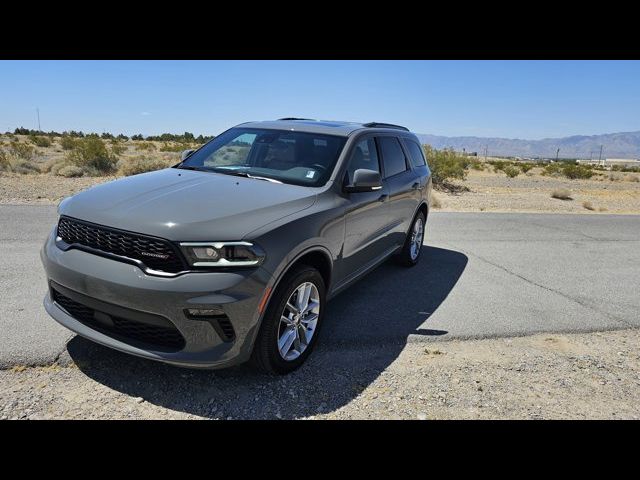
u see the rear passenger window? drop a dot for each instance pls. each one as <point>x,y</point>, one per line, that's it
<point>392,156</point>
<point>416,152</point>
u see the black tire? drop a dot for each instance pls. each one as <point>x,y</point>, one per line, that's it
<point>266,356</point>
<point>404,257</point>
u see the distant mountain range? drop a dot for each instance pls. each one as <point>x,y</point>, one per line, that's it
<point>614,145</point>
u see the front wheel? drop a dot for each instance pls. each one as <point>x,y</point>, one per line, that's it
<point>410,253</point>
<point>290,326</point>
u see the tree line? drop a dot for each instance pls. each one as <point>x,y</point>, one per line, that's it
<point>186,137</point>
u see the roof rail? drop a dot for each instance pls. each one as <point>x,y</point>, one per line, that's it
<point>384,125</point>
<point>294,118</point>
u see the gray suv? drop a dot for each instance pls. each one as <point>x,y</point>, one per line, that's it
<point>232,254</point>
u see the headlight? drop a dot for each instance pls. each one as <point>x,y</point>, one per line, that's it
<point>222,254</point>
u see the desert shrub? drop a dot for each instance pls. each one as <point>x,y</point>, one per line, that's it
<point>497,165</point>
<point>552,169</point>
<point>525,167</point>
<point>625,168</point>
<point>631,178</point>
<point>91,154</point>
<point>574,171</point>
<point>70,171</point>
<point>21,150</point>
<point>511,171</point>
<point>588,206</point>
<point>168,147</point>
<point>446,165</point>
<point>434,201</point>
<point>141,164</point>
<point>11,162</point>
<point>4,160</point>
<point>55,166</point>
<point>39,141</point>
<point>145,146</point>
<point>67,143</point>
<point>117,147</point>
<point>562,194</point>
<point>476,165</point>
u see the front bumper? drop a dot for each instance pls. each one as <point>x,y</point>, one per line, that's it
<point>238,293</point>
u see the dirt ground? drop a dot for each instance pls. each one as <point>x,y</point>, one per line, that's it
<point>495,192</point>
<point>551,376</point>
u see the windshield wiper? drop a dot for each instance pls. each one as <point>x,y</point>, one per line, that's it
<point>272,180</point>
<point>225,171</point>
<point>189,167</point>
<point>237,173</point>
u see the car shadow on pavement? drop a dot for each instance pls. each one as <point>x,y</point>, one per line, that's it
<point>366,328</point>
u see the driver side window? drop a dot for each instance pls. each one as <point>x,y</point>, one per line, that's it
<point>364,155</point>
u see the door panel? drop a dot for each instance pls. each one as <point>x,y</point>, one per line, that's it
<point>366,219</point>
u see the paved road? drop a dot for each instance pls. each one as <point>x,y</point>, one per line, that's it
<point>483,275</point>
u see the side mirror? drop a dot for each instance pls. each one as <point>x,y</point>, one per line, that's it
<point>186,153</point>
<point>364,181</point>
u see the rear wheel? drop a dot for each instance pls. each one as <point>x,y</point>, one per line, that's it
<point>410,253</point>
<point>290,326</point>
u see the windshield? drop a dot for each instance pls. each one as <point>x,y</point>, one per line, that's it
<point>298,158</point>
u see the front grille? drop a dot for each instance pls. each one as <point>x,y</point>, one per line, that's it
<point>155,253</point>
<point>134,333</point>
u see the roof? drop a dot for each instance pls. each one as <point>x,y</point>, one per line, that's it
<point>326,127</point>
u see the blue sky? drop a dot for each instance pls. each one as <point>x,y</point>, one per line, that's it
<point>515,99</point>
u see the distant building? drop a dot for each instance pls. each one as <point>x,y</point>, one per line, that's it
<point>609,162</point>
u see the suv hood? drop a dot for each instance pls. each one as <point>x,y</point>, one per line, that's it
<point>186,205</point>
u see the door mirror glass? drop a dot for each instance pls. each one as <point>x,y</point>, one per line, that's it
<point>365,181</point>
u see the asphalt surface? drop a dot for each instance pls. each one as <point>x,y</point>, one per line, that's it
<point>482,275</point>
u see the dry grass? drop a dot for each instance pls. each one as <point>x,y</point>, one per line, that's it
<point>562,194</point>
<point>588,206</point>
<point>141,164</point>
<point>435,201</point>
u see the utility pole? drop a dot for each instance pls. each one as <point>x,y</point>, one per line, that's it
<point>486,147</point>
<point>600,158</point>
<point>557,152</point>
<point>38,112</point>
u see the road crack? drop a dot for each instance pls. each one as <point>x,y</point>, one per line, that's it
<point>549,289</point>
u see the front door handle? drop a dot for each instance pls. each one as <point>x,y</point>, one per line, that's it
<point>383,198</point>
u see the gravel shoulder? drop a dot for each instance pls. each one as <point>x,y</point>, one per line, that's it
<point>42,189</point>
<point>593,375</point>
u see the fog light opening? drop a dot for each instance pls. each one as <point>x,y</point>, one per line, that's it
<point>204,313</point>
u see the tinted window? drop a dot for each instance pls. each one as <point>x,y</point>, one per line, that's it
<point>416,152</point>
<point>364,155</point>
<point>290,157</point>
<point>392,156</point>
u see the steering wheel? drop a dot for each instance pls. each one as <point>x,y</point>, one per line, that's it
<point>319,166</point>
